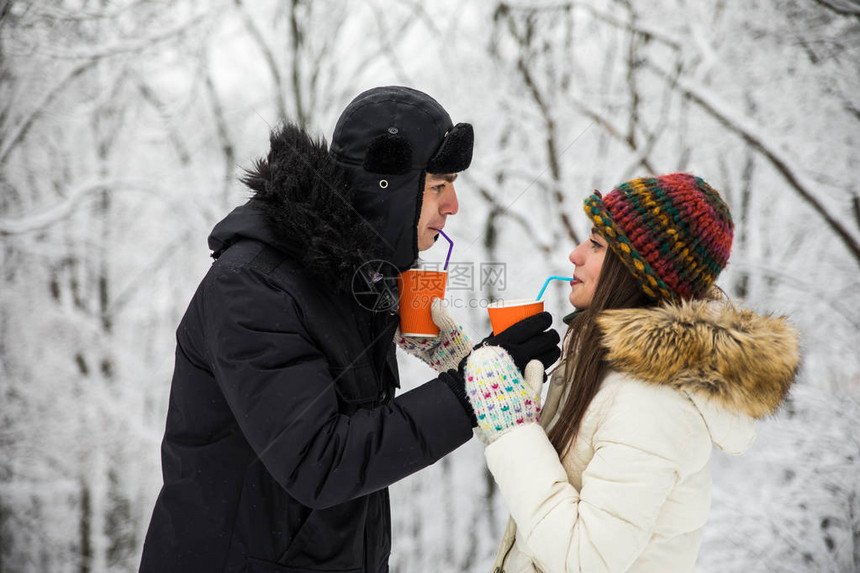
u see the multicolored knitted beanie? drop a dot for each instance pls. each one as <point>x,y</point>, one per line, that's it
<point>673,232</point>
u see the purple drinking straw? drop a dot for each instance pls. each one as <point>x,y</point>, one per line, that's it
<point>450,248</point>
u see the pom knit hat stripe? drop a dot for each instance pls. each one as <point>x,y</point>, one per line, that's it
<point>645,238</point>
<point>673,215</point>
<point>674,233</point>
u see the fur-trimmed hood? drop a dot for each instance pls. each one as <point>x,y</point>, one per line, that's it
<point>723,356</point>
<point>302,206</point>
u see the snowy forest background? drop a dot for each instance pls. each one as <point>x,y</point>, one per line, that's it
<point>123,128</point>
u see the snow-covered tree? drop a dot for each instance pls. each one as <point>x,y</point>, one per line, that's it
<point>124,125</point>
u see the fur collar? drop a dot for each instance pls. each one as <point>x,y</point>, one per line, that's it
<point>308,207</point>
<point>741,361</point>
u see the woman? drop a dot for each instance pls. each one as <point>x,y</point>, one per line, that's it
<point>657,368</point>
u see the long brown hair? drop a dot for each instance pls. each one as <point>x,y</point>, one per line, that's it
<point>585,364</point>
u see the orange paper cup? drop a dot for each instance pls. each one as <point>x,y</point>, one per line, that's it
<point>417,288</point>
<point>505,313</point>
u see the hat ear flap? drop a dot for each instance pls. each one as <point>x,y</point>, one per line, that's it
<point>388,154</point>
<point>455,153</point>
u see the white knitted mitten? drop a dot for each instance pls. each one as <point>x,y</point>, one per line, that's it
<point>502,398</point>
<point>444,351</point>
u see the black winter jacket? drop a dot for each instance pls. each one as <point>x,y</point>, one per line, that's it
<point>282,431</point>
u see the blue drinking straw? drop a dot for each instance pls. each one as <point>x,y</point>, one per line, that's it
<point>540,294</point>
<point>450,248</point>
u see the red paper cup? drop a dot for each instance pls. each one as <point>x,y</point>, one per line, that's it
<point>505,313</point>
<point>417,288</point>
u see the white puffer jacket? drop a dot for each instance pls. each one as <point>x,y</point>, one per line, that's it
<point>634,490</point>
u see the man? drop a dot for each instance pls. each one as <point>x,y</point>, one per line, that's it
<point>282,430</point>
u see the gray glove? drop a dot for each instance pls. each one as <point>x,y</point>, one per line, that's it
<point>444,351</point>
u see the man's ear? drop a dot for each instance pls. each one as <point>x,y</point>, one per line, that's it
<point>388,154</point>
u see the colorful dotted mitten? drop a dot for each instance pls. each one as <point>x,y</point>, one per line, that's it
<point>502,398</point>
<point>444,351</point>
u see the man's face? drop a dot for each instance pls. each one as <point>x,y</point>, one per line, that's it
<point>440,200</point>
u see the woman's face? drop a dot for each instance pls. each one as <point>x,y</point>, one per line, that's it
<point>587,257</point>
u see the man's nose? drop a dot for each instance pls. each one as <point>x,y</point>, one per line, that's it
<point>451,205</point>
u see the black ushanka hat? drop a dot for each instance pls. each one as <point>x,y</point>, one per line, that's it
<point>386,139</point>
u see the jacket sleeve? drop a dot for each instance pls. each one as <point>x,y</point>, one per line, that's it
<point>641,448</point>
<point>281,391</point>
